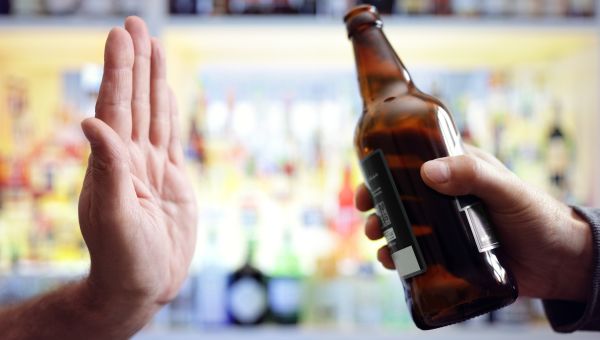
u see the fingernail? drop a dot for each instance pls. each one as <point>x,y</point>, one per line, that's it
<point>437,171</point>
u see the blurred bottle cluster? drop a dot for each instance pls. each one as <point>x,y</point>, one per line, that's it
<point>271,160</point>
<point>335,8</point>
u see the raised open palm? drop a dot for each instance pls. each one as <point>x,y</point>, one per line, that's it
<point>137,210</point>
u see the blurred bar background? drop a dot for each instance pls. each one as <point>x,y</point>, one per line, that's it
<point>268,102</point>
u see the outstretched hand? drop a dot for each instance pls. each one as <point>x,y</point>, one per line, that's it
<point>548,246</point>
<point>136,210</point>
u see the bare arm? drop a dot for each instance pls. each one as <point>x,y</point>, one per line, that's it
<point>137,211</point>
<point>74,311</point>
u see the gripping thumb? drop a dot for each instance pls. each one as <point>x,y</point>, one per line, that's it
<point>470,175</point>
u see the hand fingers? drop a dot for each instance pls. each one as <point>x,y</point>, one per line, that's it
<point>373,227</point>
<point>384,256</point>
<point>140,103</point>
<point>175,148</point>
<point>160,120</point>
<point>363,199</point>
<point>466,174</point>
<point>109,165</point>
<point>114,99</point>
<point>486,157</point>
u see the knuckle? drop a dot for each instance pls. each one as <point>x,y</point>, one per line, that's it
<point>471,167</point>
<point>109,164</point>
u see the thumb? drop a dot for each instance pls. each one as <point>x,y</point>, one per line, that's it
<point>108,166</point>
<point>460,175</point>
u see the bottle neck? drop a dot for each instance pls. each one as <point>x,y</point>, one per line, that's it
<point>250,250</point>
<point>381,74</point>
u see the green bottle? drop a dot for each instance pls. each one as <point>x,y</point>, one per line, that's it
<point>285,285</point>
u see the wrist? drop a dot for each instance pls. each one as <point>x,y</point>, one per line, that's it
<point>574,275</point>
<point>123,315</point>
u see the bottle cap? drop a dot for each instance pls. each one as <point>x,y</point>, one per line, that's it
<point>361,17</point>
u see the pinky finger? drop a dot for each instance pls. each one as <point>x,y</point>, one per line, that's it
<point>175,148</point>
<point>384,256</point>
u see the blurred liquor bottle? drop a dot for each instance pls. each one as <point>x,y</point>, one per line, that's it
<point>442,7</point>
<point>333,8</point>
<point>199,7</point>
<point>582,8</point>
<point>127,7</point>
<point>345,222</point>
<point>220,7</point>
<point>285,284</point>
<point>68,7</point>
<point>329,297</point>
<point>17,104</point>
<point>271,7</point>
<point>498,100</point>
<point>91,7</point>
<point>368,297</point>
<point>558,157</point>
<point>181,309</point>
<point>383,6</point>
<point>5,7</point>
<point>556,8</point>
<point>196,148</point>
<point>528,8</point>
<point>466,8</point>
<point>496,8</point>
<point>211,285</point>
<point>4,175</point>
<point>182,6</point>
<point>247,292</point>
<point>205,7</point>
<point>26,7</point>
<point>414,7</point>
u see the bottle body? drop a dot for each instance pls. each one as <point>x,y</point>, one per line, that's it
<point>459,281</point>
<point>443,247</point>
<point>247,292</point>
<point>247,296</point>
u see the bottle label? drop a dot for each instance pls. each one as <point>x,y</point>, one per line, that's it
<point>285,295</point>
<point>483,232</point>
<point>247,300</point>
<point>395,225</point>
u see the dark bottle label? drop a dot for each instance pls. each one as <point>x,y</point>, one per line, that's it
<point>395,225</point>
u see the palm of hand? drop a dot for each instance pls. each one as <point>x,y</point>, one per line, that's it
<point>534,234</point>
<point>137,210</point>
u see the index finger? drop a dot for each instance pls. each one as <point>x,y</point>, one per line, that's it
<point>363,198</point>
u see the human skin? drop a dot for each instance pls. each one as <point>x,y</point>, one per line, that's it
<point>547,244</point>
<point>137,211</point>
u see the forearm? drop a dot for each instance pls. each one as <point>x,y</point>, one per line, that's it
<point>574,276</point>
<point>74,311</point>
<point>569,316</point>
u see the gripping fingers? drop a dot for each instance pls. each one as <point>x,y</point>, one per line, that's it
<point>373,227</point>
<point>384,256</point>
<point>363,199</point>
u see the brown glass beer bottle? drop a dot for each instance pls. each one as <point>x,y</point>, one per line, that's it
<point>443,247</point>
